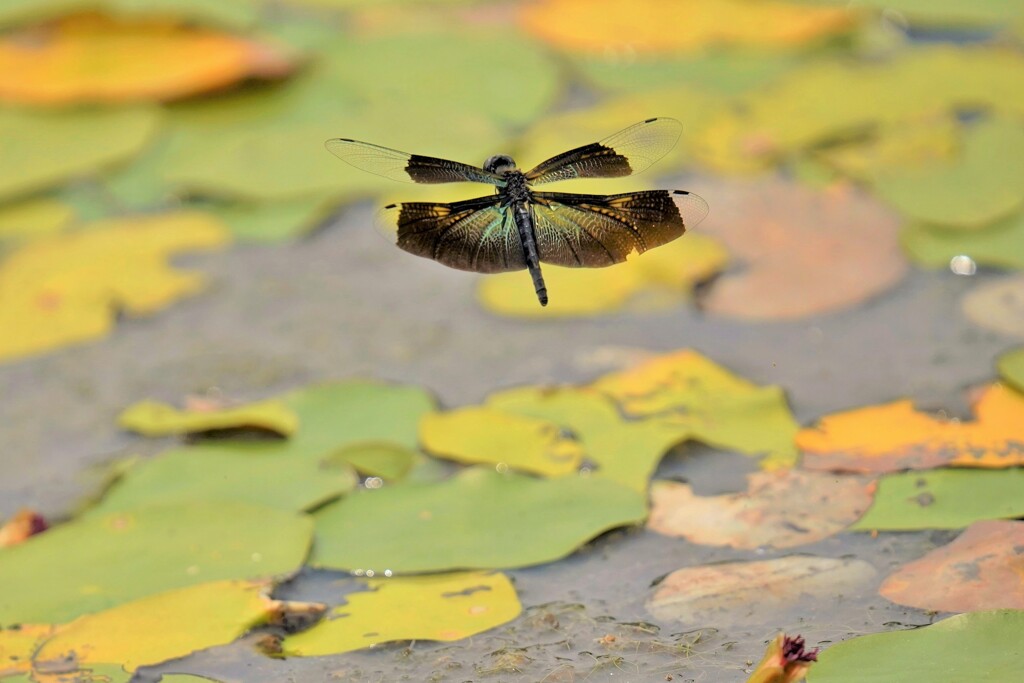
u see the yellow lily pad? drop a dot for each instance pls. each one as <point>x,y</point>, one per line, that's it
<point>717,407</point>
<point>165,626</point>
<point>624,451</point>
<point>666,276</point>
<point>153,418</point>
<point>442,607</point>
<point>17,646</point>
<point>81,58</point>
<point>482,435</point>
<point>65,290</point>
<point>659,27</point>
<point>88,140</point>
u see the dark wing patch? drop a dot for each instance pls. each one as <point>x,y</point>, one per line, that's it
<point>580,230</point>
<point>409,168</point>
<point>629,151</point>
<point>476,234</point>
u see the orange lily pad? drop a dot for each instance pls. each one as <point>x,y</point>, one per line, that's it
<point>754,592</point>
<point>979,570</point>
<point>780,509</point>
<point>96,58</point>
<point>895,436</point>
<point>660,27</point>
<point>68,289</point>
<point>808,252</point>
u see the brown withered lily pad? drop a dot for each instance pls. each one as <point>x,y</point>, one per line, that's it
<point>981,569</point>
<point>780,509</point>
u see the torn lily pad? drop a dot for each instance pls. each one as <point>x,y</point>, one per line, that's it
<point>100,561</point>
<point>718,408</point>
<point>153,418</point>
<point>442,607</point>
<point>478,519</point>
<point>483,435</point>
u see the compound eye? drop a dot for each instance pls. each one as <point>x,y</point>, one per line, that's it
<point>499,163</point>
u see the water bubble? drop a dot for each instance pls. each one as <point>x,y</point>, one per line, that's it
<point>963,265</point>
<point>374,482</point>
<point>501,467</point>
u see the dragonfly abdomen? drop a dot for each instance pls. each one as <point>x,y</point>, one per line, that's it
<point>524,222</point>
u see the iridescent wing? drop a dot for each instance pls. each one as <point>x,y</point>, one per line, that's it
<point>629,151</point>
<point>476,234</point>
<point>408,168</point>
<point>592,231</point>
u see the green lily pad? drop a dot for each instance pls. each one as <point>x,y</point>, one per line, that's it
<point>234,14</point>
<point>1011,368</point>
<point>625,451</point>
<point>981,647</point>
<point>153,418</point>
<point>99,561</point>
<point>944,499</point>
<point>478,519</point>
<point>34,218</point>
<point>88,140</point>
<point>1000,245</point>
<point>982,185</point>
<point>385,459</point>
<point>210,473</point>
<point>269,222</point>
<point>942,13</point>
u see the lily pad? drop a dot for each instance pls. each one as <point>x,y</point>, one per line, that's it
<point>385,459</point>
<point>101,561</point>
<point>717,407</point>
<point>753,592</point>
<point>269,222</point>
<point>236,14</point>
<point>894,437</point>
<point>979,570</point>
<point>483,435</point>
<point>80,59</point>
<point>88,140</point>
<point>165,626</point>
<point>934,653</point>
<point>624,451</point>
<point>442,607</point>
<point>34,218</point>
<point>1011,368</point>
<point>654,27</point>
<point>153,418</point>
<point>478,519</point>
<point>1000,245</point>
<point>997,306</point>
<point>780,509</point>
<point>17,646</point>
<point>943,499</point>
<point>211,473</point>
<point>67,289</point>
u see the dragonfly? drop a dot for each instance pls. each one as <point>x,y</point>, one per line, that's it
<point>518,227</point>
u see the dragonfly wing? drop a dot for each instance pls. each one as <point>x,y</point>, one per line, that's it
<point>409,168</point>
<point>594,231</point>
<point>629,151</point>
<point>476,234</point>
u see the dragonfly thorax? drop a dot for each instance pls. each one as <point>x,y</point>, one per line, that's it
<point>517,188</point>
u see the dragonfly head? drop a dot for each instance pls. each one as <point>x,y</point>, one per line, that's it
<point>500,164</point>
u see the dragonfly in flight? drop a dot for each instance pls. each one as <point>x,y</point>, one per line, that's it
<point>518,227</point>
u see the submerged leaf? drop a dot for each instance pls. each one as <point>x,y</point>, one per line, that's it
<point>979,570</point>
<point>101,561</point>
<point>441,607</point>
<point>96,58</point>
<point>780,510</point>
<point>67,289</point>
<point>809,251</point>
<point>482,435</point>
<point>943,499</point>
<point>477,519</point>
<point>894,437</point>
<point>164,626</point>
<point>717,407</point>
<point>754,592</point>
<point>935,653</point>
<point>997,306</point>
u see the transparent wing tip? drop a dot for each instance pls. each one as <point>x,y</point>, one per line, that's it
<point>385,222</point>
<point>692,207</point>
